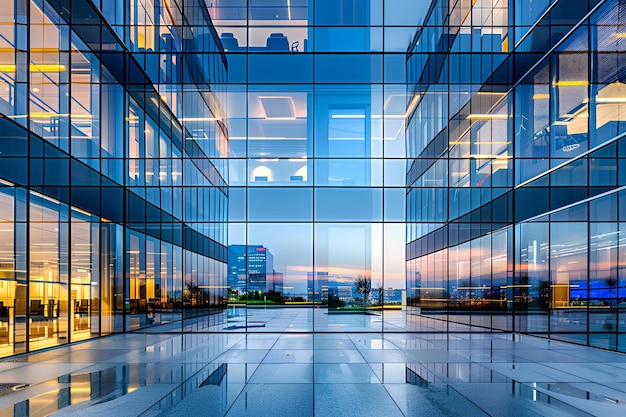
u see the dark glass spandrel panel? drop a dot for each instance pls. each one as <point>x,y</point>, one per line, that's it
<point>14,139</point>
<point>348,204</point>
<point>280,204</point>
<point>530,201</point>
<point>346,39</point>
<point>280,68</point>
<point>344,13</point>
<point>14,170</point>
<point>113,207</point>
<point>352,68</point>
<point>87,198</point>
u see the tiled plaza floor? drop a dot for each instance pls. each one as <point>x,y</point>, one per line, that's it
<point>349,367</point>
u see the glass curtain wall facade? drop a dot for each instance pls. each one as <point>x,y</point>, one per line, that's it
<point>515,195</point>
<point>316,109</point>
<point>113,192</point>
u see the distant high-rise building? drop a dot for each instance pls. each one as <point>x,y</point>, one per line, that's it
<point>248,267</point>
<point>344,293</point>
<point>317,286</point>
<point>342,286</point>
<point>392,295</point>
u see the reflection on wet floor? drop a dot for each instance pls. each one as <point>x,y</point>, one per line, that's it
<point>306,374</point>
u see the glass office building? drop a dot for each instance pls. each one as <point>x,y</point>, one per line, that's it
<point>141,139</point>
<point>113,186</point>
<point>358,207</point>
<point>316,106</point>
<point>473,158</point>
<point>516,190</point>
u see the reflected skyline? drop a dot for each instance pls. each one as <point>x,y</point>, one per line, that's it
<point>292,248</point>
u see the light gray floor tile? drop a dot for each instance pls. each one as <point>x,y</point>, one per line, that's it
<point>351,370</point>
<point>299,373</point>
<point>356,373</point>
<point>289,356</point>
<point>354,400</point>
<point>337,356</point>
<point>274,400</point>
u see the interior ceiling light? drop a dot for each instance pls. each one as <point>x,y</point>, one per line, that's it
<point>347,116</point>
<point>570,147</point>
<point>34,68</point>
<point>579,83</point>
<point>278,107</point>
<point>395,104</point>
<point>412,105</point>
<point>610,99</point>
<point>43,115</point>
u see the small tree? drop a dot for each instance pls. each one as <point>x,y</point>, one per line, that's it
<point>335,302</point>
<point>363,286</point>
